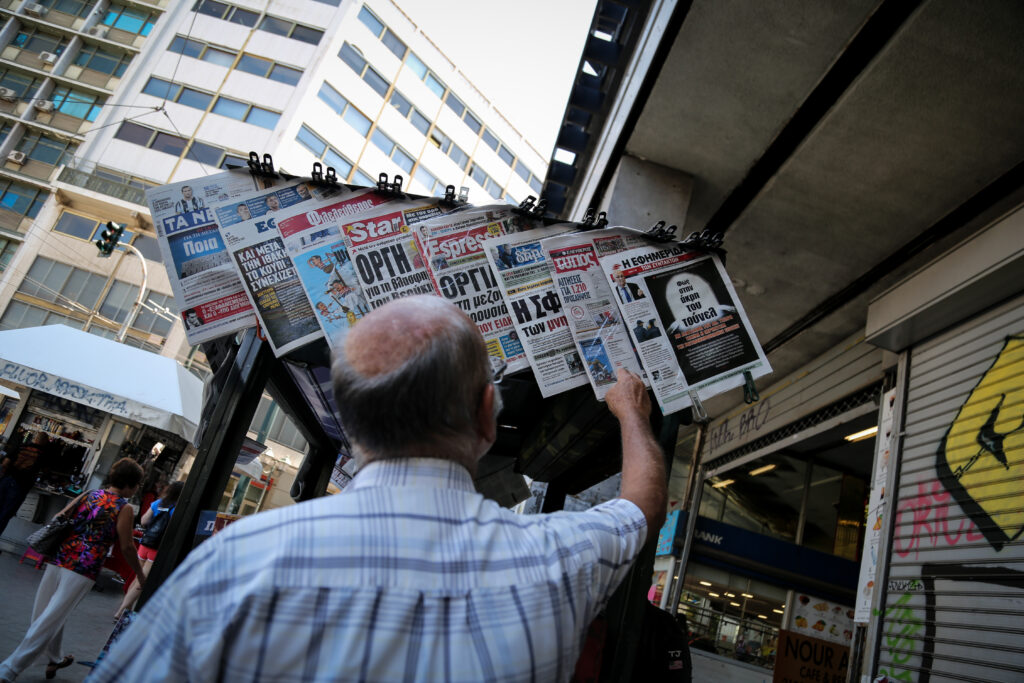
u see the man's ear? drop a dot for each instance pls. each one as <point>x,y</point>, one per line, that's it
<point>486,424</point>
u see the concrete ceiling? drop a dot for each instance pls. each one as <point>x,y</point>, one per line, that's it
<point>929,117</point>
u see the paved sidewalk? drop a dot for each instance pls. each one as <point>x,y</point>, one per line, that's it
<point>84,634</point>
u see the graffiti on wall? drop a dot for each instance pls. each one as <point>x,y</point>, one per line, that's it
<point>960,521</point>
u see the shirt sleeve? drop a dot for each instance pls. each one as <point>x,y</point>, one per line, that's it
<point>604,540</point>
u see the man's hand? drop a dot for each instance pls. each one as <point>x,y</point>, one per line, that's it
<point>628,398</point>
<point>643,465</point>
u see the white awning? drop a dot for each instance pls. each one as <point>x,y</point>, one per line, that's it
<point>119,379</point>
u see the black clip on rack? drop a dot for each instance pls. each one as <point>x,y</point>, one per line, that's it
<point>263,168</point>
<point>592,222</point>
<point>531,207</point>
<point>706,240</point>
<point>660,233</point>
<point>394,187</point>
<point>318,177</point>
<point>451,200</point>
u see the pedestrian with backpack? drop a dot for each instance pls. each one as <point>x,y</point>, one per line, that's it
<point>156,519</point>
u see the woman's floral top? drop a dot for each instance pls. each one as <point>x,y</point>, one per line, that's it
<point>86,549</point>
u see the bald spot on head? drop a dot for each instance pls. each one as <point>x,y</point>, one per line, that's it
<point>395,332</point>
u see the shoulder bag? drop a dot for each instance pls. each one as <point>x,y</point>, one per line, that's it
<point>47,540</point>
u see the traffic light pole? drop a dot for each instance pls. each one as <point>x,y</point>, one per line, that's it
<point>123,332</point>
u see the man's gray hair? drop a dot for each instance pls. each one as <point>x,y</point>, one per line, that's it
<point>429,400</point>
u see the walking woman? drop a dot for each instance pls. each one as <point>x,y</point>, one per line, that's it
<point>156,519</point>
<point>102,516</point>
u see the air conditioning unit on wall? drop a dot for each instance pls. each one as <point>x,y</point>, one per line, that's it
<point>16,157</point>
<point>34,9</point>
<point>48,57</point>
<point>43,105</point>
<point>8,95</point>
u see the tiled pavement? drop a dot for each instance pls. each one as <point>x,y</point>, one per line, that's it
<point>84,634</point>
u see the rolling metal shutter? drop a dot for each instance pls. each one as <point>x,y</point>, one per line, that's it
<point>954,604</point>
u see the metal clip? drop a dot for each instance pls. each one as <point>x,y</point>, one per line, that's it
<point>263,168</point>
<point>592,222</point>
<point>588,217</point>
<point>317,173</point>
<point>662,234</point>
<point>449,194</point>
<point>704,240</point>
<point>699,414</point>
<point>268,165</point>
<point>463,194</point>
<point>527,205</point>
<point>750,394</point>
<point>382,183</point>
<point>332,177</point>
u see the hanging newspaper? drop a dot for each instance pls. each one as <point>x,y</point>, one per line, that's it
<point>383,248</point>
<point>210,297</point>
<point>525,280</point>
<point>249,227</point>
<point>587,300</point>
<point>454,247</point>
<point>321,257</point>
<point>687,324</point>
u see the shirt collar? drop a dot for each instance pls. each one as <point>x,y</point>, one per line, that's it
<point>417,472</point>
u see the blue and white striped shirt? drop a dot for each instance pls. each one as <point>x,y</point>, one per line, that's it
<point>409,574</point>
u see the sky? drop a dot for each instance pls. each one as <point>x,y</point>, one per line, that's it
<point>521,55</point>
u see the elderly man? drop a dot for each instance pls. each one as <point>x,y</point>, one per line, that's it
<point>409,574</point>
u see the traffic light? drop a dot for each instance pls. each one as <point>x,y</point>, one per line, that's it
<point>109,238</point>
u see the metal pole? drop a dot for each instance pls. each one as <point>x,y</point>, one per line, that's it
<point>691,504</point>
<point>123,332</point>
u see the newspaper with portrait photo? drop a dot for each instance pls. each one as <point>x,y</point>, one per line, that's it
<point>687,324</point>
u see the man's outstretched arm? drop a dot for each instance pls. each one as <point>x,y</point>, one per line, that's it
<point>643,465</point>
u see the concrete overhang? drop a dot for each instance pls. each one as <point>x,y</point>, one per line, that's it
<point>969,278</point>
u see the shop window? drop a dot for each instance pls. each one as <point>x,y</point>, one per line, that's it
<point>130,20</point>
<point>822,515</point>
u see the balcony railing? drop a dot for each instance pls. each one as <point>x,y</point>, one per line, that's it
<point>96,183</point>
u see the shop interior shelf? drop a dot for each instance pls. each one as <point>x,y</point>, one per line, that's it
<point>36,428</point>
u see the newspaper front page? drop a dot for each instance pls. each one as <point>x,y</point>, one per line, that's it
<point>322,259</point>
<point>454,247</point>
<point>210,296</point>
<point>525,279</point>
<point>688,326</point>
<point>387,259</point>
<point>249,227</point>
<point>587,300</point>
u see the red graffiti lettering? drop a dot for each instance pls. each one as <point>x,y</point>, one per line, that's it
<point>929,511</point>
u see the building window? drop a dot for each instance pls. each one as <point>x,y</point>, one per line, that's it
<point>78,8</point>
<point>536,184</point>
<point>445,144</point>
<point>222,10</point>
<point>396,153</point>
<point>150,250</point>
<point>425,178</point>
<point>7,249</point>
<point>96,58</point>
<point>174,92</point>
<point>205,154</point>
<point>77,226</point>
<point>154,139</point>
<point>379,30</point>
<point>363,179</point>
<point>23,200</point>
<point>414,115</point>
<point>130,20</point>
<point>242,111</point>
<point>485,181</point>
<point>41,147</point>
<point>290,29</point>
<point>490,141</point>
<point>30,39</point>
<point>76,103</point>
<point>200,50</point>
<point>455,104</point>
<point>266,68</point>
<point>23,85</point>
<point>352,116</point>
<point>316,144</point>
<point>234,161</point>
<point>424,74</point>
<point>506,155</point>
<point>53,281</point>
<point>355,60</point>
